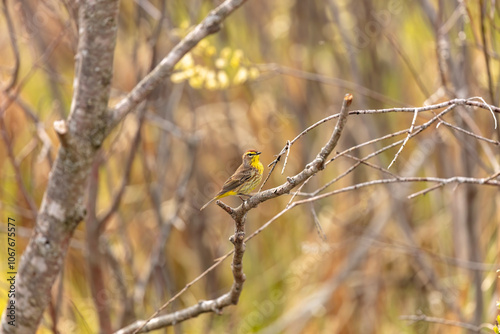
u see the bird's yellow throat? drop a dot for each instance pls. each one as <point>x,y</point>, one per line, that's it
<point>257,164</point>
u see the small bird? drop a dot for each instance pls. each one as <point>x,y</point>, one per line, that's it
<point>244,180</point>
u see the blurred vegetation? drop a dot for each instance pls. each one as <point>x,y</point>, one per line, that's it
<point>275,68</point>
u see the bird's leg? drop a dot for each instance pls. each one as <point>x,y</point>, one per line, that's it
<point>239,195</point>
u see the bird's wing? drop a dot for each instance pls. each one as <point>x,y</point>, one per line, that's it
<point>242,175</point>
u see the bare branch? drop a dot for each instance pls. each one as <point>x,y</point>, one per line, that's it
<point>469,133</point>
<point>15,49</point>
<point>470,327</point>
<point>406,139</point>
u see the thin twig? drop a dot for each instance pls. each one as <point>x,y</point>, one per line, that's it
<point>390,37</point>
<point>494,176</point>
<point>383,170</point>
<point>425,191</point>
<point>406,139</point>
<point>369,156</point>
<point>286,157</point>
<point>317,223</point>
<point>467,326</point>
<point>15,48</point>
<point>298,191</point>
<point>488,106</point>
<point>469,133</point>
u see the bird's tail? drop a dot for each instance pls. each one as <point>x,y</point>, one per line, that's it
<point>203,207</point>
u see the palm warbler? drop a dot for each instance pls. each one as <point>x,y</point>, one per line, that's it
<point>244,180</point>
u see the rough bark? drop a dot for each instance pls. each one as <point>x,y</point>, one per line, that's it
<point>81,135</point>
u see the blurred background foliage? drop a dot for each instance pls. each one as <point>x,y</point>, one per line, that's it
<point>275,68</point>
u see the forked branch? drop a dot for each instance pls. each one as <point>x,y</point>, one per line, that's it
<point>238,240</point>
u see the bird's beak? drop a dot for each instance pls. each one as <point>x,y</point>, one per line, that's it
<point>258,153</point>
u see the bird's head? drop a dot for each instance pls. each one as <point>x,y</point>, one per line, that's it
<point>251,157</point>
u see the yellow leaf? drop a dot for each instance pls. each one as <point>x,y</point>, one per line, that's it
<point>223,79</point>
<point>212,84</point>
<point>254,73</point>
<point>236,58</point>
<point>220,63</point>
<point>178,77</point>
<point>241,76</point>
<point>196,82</point>
<point>225,53</point>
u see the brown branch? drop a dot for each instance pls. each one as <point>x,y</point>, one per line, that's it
<point>411,134</point>
<point>362,161</point>
<point>461,102</point>
<point>425,191</point>
<point>289,143</point>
